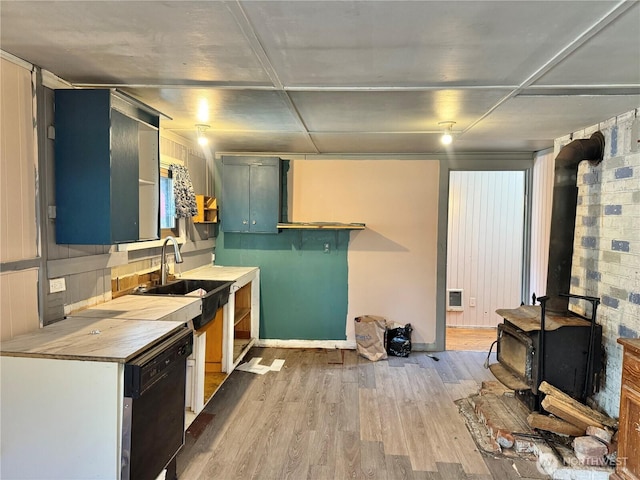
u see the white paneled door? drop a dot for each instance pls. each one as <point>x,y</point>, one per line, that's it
<point>484,244</point>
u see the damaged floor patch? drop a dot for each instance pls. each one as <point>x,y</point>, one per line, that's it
<point>498,424</point>
<point>253,366</point>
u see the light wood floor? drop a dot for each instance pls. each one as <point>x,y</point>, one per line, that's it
<point>470,339</point>
<point>393,419</point>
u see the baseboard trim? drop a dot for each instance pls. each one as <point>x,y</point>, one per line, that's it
<point>424,347</point>
<point>341,344</point>
<point>277,343</point>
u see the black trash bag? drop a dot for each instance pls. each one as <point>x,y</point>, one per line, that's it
<point>399,341</point>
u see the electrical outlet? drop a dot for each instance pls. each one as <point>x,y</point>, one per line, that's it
<point>472,301</point>
<point>57,285</point>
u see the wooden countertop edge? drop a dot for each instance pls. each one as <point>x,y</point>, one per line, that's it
<point>632,344</point>
<point>181,305</point>
<point>80,358</point>
<point>99,356</point>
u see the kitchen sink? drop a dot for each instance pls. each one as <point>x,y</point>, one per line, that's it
<point>215,295</point>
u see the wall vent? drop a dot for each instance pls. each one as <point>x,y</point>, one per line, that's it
<point>454,300</point>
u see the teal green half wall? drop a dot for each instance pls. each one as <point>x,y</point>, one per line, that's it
<point>304,289</point>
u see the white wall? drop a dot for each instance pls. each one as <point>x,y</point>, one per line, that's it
<point>18,303</point>
<point>18,166</point>
<point>485,243</point>
<point>392,264</point>
<point>18,227</point>
<point>542,198</point>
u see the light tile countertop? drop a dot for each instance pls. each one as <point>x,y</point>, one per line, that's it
<point>105,332</point>
<point>95,339</point>
<point>214,272</point>
<point>143,307</point>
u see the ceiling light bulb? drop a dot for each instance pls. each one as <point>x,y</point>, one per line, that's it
<point>202,139</point>
<point>446,137</point>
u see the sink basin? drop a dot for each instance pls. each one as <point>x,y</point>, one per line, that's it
<point>216,296</point>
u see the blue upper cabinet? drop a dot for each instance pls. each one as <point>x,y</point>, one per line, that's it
<point>107,168</point>
<point>251,189</point>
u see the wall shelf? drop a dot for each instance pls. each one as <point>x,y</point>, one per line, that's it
<point>321,226</point>
<point>312,231</point>
<point>207,209</point>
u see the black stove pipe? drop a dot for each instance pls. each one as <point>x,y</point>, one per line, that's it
<point>563,216</point>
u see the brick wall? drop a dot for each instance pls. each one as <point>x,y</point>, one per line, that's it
<point>606,258</point>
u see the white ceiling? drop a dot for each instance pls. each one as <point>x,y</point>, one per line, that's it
<point>348,77</point>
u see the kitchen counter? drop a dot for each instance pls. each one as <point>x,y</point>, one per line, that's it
<point>220,347</point>
<point>140,307</point>
<point>63,404</point>
<point>214,272</point>
<point>101,339</point>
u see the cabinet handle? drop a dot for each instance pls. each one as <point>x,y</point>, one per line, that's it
<point>244,222</point>
<point>253,222</point>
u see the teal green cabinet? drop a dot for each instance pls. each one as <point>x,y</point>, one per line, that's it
<point>251,190</point>
<point>107,168</point>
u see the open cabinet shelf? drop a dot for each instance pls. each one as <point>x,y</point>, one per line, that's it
<point>241,314</point>
<point>207,209</point>
<point>242,321</point>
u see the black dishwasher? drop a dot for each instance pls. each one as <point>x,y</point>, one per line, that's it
<point>153,411</point>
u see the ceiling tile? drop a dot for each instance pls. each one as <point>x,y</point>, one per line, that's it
<point>611,57</point>
<point>353,143</point>
<point>229,110</point>
<point>416,42</point>
<point>545,118</point>
<point>261,142</point>
<point>131,42</point>
<point>389,111</point>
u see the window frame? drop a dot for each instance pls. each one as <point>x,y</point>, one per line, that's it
<point>166,232</point>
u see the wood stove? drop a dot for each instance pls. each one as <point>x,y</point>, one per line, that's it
<point>535,345</point>
<point>548,341</point>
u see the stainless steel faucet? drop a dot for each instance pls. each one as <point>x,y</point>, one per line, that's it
<point>163,258</point>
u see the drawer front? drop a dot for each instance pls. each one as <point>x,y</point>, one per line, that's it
<point>628,464</point>
<point>631,370</point>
